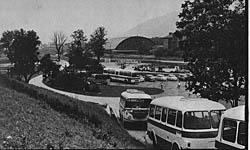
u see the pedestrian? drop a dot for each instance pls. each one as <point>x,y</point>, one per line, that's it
<point>161,85</point>
<point>179,84</point>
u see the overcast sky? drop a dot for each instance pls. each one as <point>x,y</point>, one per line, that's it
<point>47,16</point>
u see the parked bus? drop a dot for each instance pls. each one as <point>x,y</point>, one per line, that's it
<point>134,106</point>
<point>176,122</point>
<point>232,131</point>
<point>128,76</point>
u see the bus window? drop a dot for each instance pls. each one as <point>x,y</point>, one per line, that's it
<point>197,120</point>
<point>122,73</point>
<point>242,134</point>
<point>171,116</point>
<point>215,118</point>
<point>229,130</point>
<point>151,111</point>
<point>164,115</point>
<point>179,119</point>
<point>158,113</point>
<point>138,103</point>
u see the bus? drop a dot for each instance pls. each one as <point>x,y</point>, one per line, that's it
<point>232,130</point>
<point>127,76</point>
<point>134,106</point>
<point>176,122</point>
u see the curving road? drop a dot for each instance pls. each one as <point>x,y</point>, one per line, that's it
<point>112,102</point>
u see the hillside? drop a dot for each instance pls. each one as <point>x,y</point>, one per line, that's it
<point>43,122</point>
<point>155,27</point>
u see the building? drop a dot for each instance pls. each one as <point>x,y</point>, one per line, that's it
<point>129,45</point>
<point>171,41</point>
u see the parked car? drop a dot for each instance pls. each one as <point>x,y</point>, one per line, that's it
<point>161,77</point>
<point>182,77</point>
<point>172,77</point>
<point>150,77</point>
<point>99,79</point>
<point>142,79</point>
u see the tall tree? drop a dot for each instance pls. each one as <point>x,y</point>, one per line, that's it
<point>97,42</point>
<point>215,47</point>
<point>22,49</point>
<point>77,49</point>
<point>59,39</point>
<point>49,68</point>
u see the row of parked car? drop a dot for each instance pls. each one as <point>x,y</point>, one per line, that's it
<point>169,77</point>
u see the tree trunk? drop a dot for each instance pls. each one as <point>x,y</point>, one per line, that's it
<point>98,59</point>
<point>58,55</point>
<point>236,91</point>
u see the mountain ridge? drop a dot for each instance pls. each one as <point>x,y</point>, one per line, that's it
<point>156,27</point>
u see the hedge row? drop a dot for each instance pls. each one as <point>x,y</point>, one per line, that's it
<point>106,128</point>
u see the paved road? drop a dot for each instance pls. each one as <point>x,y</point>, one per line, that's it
<point>111,101</point>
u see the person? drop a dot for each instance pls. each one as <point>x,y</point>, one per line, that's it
<point>161,85</point>
<point>179,84</point>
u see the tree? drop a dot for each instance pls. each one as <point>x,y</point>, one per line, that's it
<point>215,46</point>
<point>48,67</point>
<point>78,49</point>
<point>59,39</point>
<point>22,49</point>
<point>97,42</point>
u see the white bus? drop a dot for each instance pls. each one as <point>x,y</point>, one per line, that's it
<point>134,106</point>
<point>176,122</point>
<point>232,131</point>
<point>127,76</point>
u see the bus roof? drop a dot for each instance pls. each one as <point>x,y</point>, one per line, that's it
<point>118,69</point>
<point>135,94</point>
<point>237,113</point>
<point>187,104</point>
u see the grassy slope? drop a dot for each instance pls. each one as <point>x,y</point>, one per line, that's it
<point>34,124</point>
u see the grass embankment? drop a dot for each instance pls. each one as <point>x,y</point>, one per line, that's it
<point>37,118</point>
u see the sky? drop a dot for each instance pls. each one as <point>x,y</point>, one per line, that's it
<point>48,16</point>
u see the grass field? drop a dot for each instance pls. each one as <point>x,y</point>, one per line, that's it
<point>33,117</point>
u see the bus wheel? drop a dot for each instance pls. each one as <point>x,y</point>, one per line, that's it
<point>175,147</point>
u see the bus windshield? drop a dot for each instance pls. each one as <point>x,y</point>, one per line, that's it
<point>137,103</point>
<point>202,119</point>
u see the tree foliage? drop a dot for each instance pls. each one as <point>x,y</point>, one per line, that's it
<point>97,42</point>
<point>77,49</point>
<point>59,39</point>
<point>22,49</point>
<point>48,67</point>
<point>215,47</point>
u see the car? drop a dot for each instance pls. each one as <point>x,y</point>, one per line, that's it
<point>150,77</point>
<point>161,77</point>
<point>142,79</point>
<point>182,77</point>
<point>172,77</point>
<point>99,79</point>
